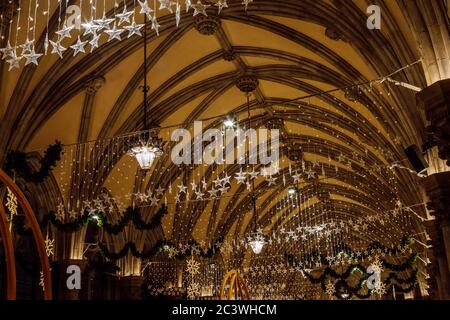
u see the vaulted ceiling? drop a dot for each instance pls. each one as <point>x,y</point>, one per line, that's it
<point>294,48</point>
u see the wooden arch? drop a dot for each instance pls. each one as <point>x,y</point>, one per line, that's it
<point>237,288</point>
<point>8,244</point>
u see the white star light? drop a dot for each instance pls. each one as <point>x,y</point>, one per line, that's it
<point>155,25</point>
<point>188,5</point>
<point>240,177</point>
<point>134,29</point>
<point>178,14</point>
<point>32,57</point>
<point>79,47</point>
<point>200,8</point>
<point>7,51</point>
<point>94,41</point>
<point>103,23</point>
<point>27,46</point>
<point>64,33</point>
<point>114,33</point>
<point>221,4</point>
<point>124,16</point>
<point>14,61</point>
<point>166,4</point>
<point>145,9</point>
<point>57,48</point>
<point>90,28</point>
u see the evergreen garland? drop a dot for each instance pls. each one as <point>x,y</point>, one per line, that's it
<point>100,219</point>
<point>16,164</point>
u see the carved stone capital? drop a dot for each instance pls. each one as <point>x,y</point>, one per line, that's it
<point>207,25</point>
<point>247,83</point>
<point>94,85</point>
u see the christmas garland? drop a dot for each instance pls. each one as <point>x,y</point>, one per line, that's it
<point>393,281</point>
<point>16,164</point>
<point>341,286</point>
<point>373,248</point>
<point>160,246</point>
<point>329,272</point>
<point>131,246</point>
<point>99,218</point>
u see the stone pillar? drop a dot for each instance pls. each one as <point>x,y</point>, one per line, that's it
<point>60,279</point>
<point>131,287</point>
<point>437,187</point>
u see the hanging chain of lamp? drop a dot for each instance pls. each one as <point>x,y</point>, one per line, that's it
<point>148,146</point>
<point>255,239</point>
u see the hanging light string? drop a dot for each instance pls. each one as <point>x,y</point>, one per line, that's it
<point>145,87</point>
<point>125,135</point>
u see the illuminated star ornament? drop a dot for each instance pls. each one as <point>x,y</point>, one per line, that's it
<point>79,47</point>
<point>134,29</point>
<point>124,16</point>
<point>200,8</point>
<point>57,48</point>
<point>14,61</point>
<point>114,33</point>
<point>166,4</point>
<point>7,51</point>
<point>221,4</point>
<point>155,25</point>
<point>145,9</point>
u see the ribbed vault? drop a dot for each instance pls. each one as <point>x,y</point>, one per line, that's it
<point>286,45</point>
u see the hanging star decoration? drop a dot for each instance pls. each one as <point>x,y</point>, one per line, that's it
<point>114,33</point>
<point>11,203</point>
<point>240,177</point>
<point>166,4</point>
<point>64,32</point>
<point>155,25</point>
<point>94,42</point>
<point>57,48</point>
<point>7,51</point>
<point>104,22</point>
<point>79,47</point>
<point>200,8</point>
<point>32,57</point>
<point>90,28</point>
<point>145,9</point>
<point>178,14</point>
<point>124,16</point>
<point>14,62</point>
<point>221,4</point>
<point>134,29</point>
<point>49,246</point>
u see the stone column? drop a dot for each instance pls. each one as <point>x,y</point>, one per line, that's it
<point>437,187</point>
<point>131,287</point>
<point>60,279</point>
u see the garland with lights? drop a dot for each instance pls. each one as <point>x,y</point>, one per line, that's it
<point>392,282</point>
<point>373,248</point>
<point>131,215</point>
<point>16,164</point>
<point>159,247</point>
